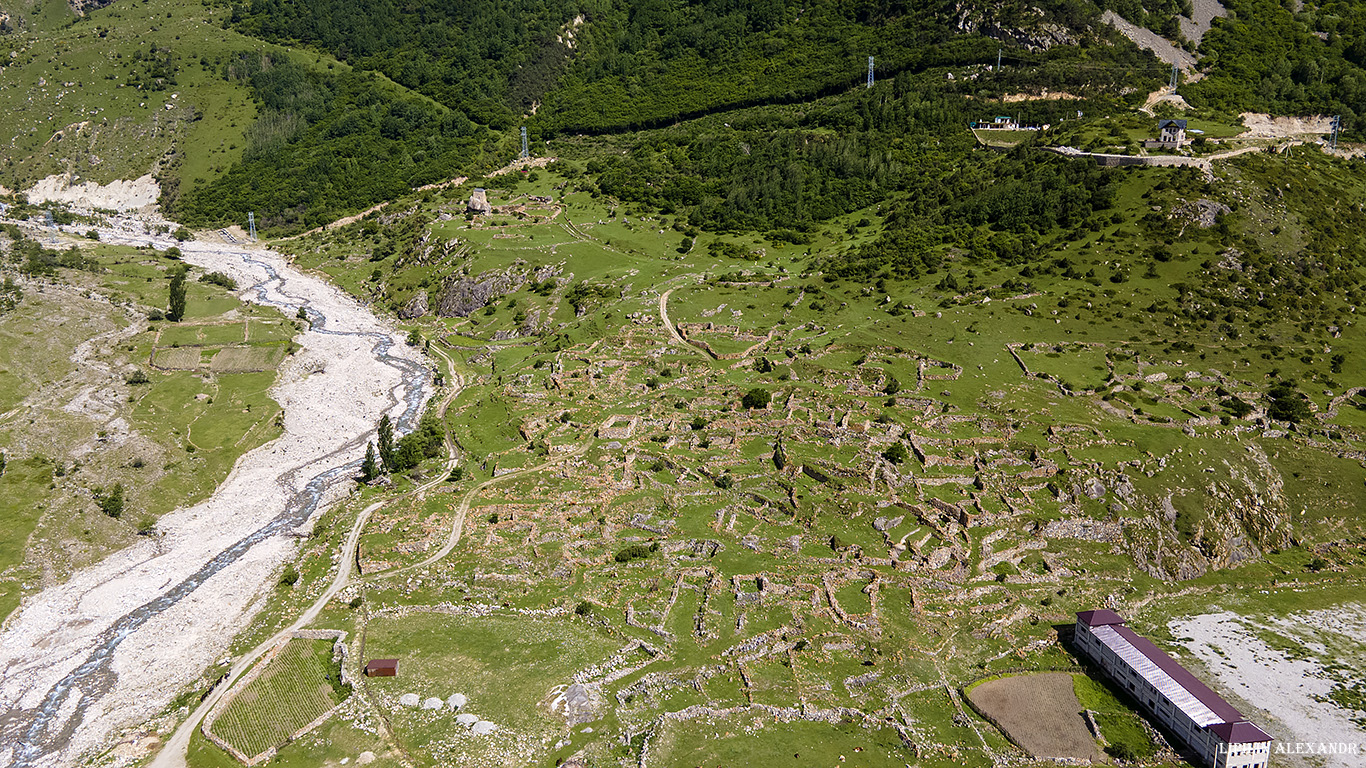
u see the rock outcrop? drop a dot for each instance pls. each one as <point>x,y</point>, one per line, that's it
<point>465,295</point>
<point>416,306</point>
<point>479,202</point>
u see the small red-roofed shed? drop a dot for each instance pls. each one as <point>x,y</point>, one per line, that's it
<point>381,668</point>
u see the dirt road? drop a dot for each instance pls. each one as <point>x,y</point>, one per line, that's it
<point>112,645</point>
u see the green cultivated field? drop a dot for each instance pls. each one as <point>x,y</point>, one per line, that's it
<point>297,686</point>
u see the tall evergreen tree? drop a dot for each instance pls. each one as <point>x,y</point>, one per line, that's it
<point>386,443</point>
<point>176,308</point>
<point>369,468</point>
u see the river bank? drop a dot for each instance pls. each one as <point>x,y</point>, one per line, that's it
<point>116,642</point>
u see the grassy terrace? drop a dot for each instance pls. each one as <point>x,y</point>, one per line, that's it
<point>797,566</point>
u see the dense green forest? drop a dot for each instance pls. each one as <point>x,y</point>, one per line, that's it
<point>671,85</point>
<point>992,206</point>
<point>491,59</point>
<point>793,168</point>
<point>326,143</point>
<point>1265,58</point>
<point>615,65</point>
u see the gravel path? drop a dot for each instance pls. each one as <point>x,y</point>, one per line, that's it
<point>111,646</point>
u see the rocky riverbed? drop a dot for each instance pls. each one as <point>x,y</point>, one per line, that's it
<point>113,645</point>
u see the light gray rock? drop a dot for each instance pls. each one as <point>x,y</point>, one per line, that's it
<point>456,701</point>
<point>466,719</point>
<point>461,297</point>
<point>483,728</point>
<point>479,202</point>
<point>409,700</point>
<point>365,758</point>
<point>582,703</point>
<point>1095,488</point>
<point>432,703</point>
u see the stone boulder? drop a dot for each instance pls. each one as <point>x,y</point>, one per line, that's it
<point>456,701</point>
<point>479,202</point>
<point>409,700</point>
<point>582,703</point>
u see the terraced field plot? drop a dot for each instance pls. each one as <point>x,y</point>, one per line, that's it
<point>294,689</point>
<point>240,359</point>
<point>178,358</point>
<point>1040,712</point>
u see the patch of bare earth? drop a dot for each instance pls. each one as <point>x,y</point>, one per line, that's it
<point>1040,713</point>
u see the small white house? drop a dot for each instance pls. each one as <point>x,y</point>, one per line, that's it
<point>1171,131</point>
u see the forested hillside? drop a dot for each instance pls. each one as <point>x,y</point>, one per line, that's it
<point>1265,58</point>
<point>328,142</point>
<point>326,107</point>
<point>620,65</point>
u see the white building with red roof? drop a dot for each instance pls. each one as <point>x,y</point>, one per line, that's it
<point>1211,727</point>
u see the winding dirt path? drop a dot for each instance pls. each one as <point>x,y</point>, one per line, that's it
<point>664,315</point>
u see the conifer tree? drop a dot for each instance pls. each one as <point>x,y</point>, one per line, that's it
<point>176,308</point>
<point>369,469</point>
<point>386,443</point>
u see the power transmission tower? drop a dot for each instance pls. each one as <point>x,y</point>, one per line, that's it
<point>525,152</point>
<point>1175,74</point>
<point>1337,126</point>
<point>998,59</point>
<point>251,225</point>
<point>870,71</point>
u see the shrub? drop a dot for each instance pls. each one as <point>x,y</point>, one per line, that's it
<point>219,279</point>
<point>633,552</point>
<point>110,500</point>
<point>1122,751</point>
<point>895,454</point>
<point>290,577</point>
<point>756,398</point>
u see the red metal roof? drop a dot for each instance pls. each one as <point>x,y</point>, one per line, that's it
<point>1182,676</point>
<point>1234,730</point>
<point>1100,617</point>
<point>1239,733</point>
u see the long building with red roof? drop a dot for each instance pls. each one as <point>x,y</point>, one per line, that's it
<point>1211,727</point>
